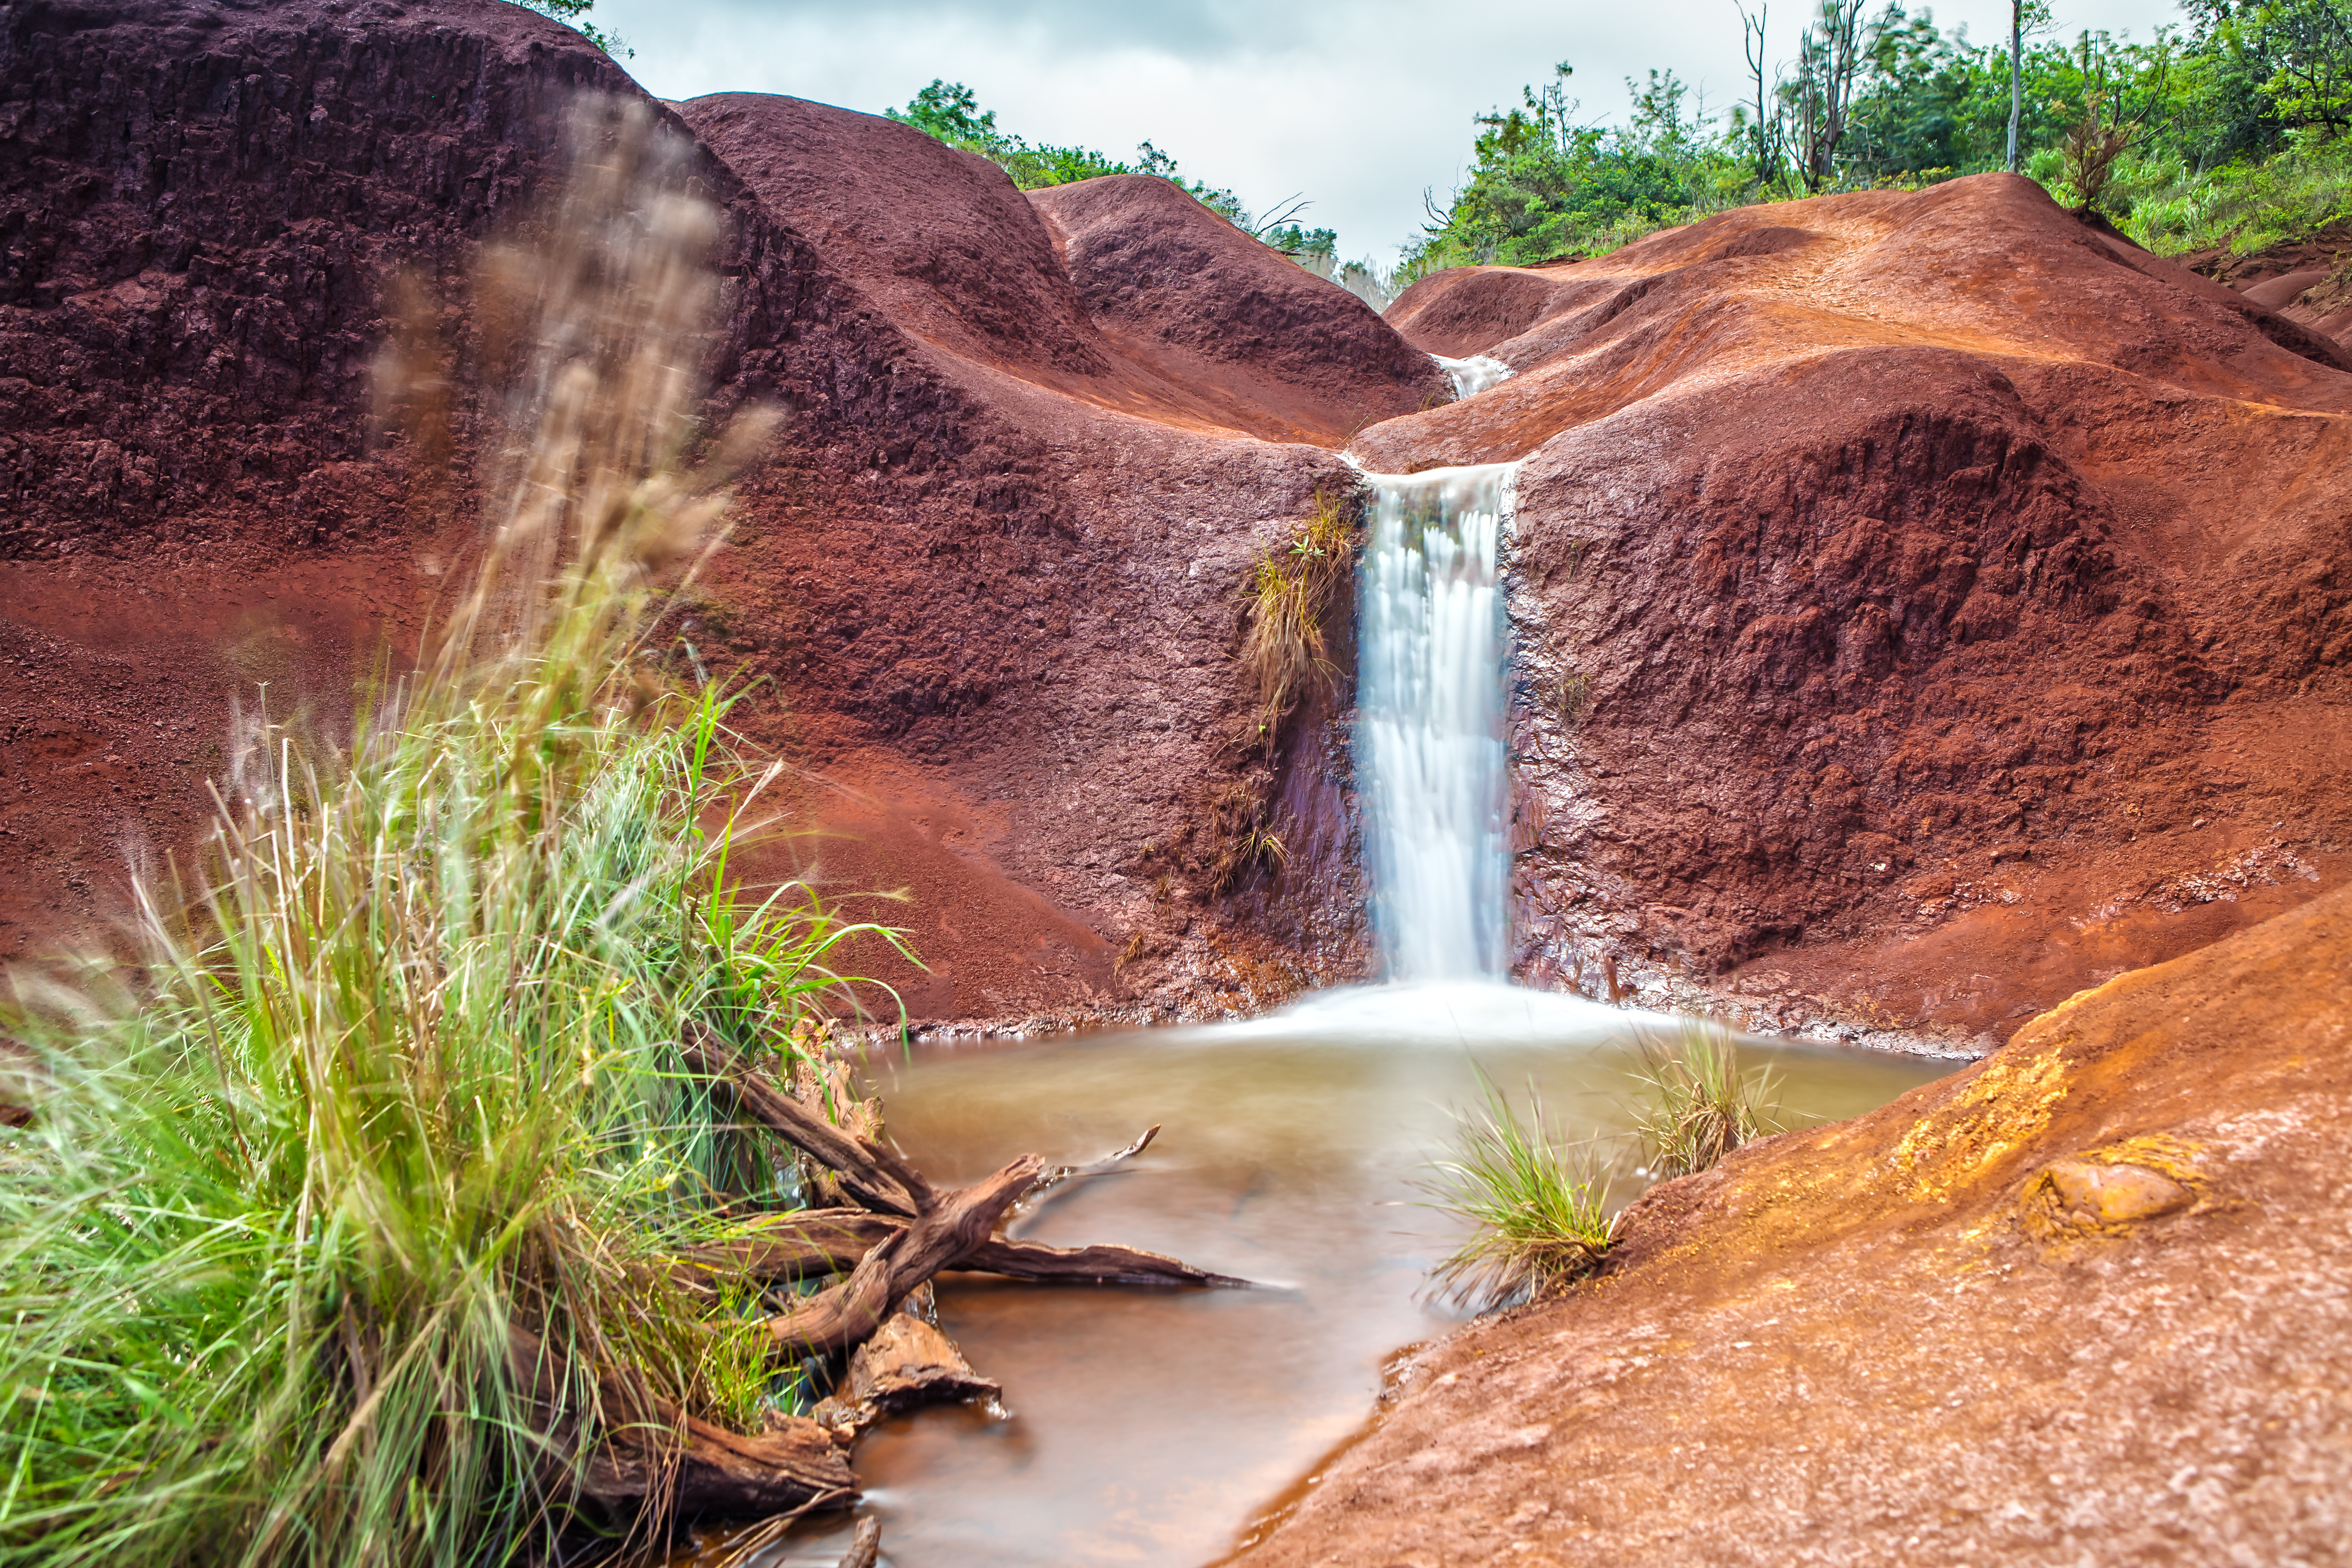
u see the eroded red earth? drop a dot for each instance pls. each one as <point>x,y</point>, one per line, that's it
<point>1926,605</point>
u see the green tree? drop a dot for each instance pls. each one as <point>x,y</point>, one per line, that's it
<point>1542,185</point>
<point>950,111</point>
<point>569,12</point>
<point>2308,45</point>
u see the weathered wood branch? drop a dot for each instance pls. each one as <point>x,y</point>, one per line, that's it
<point>871,1175</point>
<point>1055,1176</point>
<point>655,1459</point>
<point>866,1549</point>
<point>1097,1265</point>
<point>1056,1180</point>
<point>802,1245</point>
<point>953,1226</point>
<point>794,1467</point>
<point>816,1242</point>
<point>826,1087</point>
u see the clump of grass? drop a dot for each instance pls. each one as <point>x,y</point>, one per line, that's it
<point>1573,696</point>
<point>336,1235</point>
<point>1696,1105</point>
<point>1287,649</point>
<point>1537,1204</point>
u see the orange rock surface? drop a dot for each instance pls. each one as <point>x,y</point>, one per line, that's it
<point>2087,1301</point>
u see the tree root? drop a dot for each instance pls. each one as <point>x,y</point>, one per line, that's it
<point>947,1228</point>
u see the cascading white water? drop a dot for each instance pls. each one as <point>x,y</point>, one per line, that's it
<point>1429,753</point>
<point>1474,374</point>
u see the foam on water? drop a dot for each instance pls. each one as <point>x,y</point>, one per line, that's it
<point>1474,374</point>
<point>1448,1013</point>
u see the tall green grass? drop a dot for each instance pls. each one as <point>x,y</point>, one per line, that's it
<point>2243,206</point>
<point>337,1235</point>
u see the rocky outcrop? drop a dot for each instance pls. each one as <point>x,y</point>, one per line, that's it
<point>1926,605</point>
<point>2081,1303</point>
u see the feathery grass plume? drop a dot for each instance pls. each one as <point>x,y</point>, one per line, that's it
<point>1696,1104</point>
<point>1537,1204</point>
<point>337,1237</point>
<point>1290,593</point>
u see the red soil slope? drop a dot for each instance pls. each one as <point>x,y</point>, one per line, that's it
<point>2293,278</point>
<point>2084,1302</point>
<point>1927,605</point>
<point>992,568</point>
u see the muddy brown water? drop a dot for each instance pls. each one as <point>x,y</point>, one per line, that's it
<point>1149,1429</point>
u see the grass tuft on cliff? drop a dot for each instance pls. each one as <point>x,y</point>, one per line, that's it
<point>1291,594</point>
<point>1695,1105</point>
<point>336,1236</point>
<point>1536,1203</point>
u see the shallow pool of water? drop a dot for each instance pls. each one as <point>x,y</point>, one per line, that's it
<point>1146,1428</point>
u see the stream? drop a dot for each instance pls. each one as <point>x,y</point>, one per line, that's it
<point>1148,1428</point>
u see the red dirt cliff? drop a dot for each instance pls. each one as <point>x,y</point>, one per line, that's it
<point>993,568</point>
<point>1926,605</point>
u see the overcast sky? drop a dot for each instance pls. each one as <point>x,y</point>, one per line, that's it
<point>1358,106</point>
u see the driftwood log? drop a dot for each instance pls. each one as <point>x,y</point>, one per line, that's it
<point>818,1242</point>
<point>948,1227</point>
<point>694,1469</point>
<point>867,1548</point>
<point>892,1234</point>
<point>655,1460</point>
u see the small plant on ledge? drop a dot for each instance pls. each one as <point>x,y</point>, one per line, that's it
<point>1696,1104</point>
<point>1538,1205</point>
<point>1291,591</point>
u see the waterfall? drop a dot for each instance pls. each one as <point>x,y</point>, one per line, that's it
<point>1429,753</point>
<point>1474,374</point>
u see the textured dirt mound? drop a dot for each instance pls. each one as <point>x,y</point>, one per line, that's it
<point>1122,292</point>
<point>2083,1302</point>
<point>937,238</point>
<point>1926,605</point>
<point>1186,290</point>
<point>1465,310</point>
<point>2300,279</point>
<point>990,579</point>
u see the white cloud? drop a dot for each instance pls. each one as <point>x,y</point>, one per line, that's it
<point>1358,106</point>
